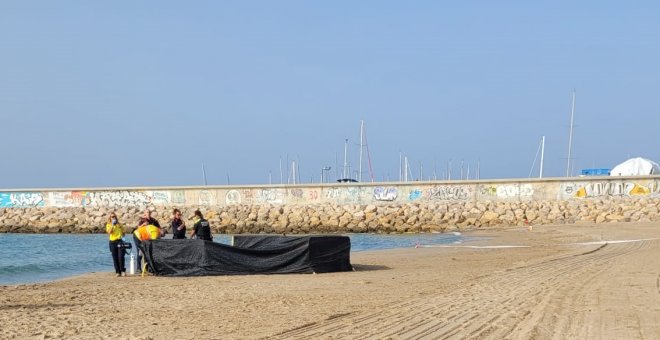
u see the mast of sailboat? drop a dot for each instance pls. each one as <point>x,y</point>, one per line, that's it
<point>361,147</point>
<point>346,158</point>
<point>449,170</point>
<point>405,166</point>
<point>570,137</point>
<point>281,176</point>
<point>336,166</point>
<point>297,169</point>
<point>400,166</point>
<point>366,145</point>
<point>461,169</point>
<point>204,174</point>
<point>288,173</point>
<point>478,169</point>
<point>542,153</point>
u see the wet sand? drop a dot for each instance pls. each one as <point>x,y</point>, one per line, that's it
<point>554,289</point>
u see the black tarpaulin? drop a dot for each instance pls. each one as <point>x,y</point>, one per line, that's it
<point>250,255</point>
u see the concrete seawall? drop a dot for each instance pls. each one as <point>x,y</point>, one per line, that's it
<point>350,207</point>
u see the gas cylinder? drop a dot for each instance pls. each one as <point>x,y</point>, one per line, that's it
<point>131,265</point>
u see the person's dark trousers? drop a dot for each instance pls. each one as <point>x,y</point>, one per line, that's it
<point>138,253</point>
<point>117,256</point>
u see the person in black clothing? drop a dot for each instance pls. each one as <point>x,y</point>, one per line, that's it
<point>178,226</point>
<point>148,219</point>
<point>202,228</point>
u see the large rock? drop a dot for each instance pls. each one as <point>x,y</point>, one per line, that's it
<point>489,217</point>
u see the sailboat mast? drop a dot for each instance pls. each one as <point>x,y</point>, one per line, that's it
<point>421,171</point>
<point>405,164</point>
<point>478,169</point>
<point>361,147</point>
<point>298,170</point>
<point>449,170</point>
<point>345,158</point>
<point>281,174</point>
<point>366,145</point>
<point>204,174</point>
<point>542,153</point>
<point>400,167</point>
<point>570,138</point>
<point>336,166</point>
<point>461,169</point>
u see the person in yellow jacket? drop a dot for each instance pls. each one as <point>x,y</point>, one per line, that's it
<point>115,232</point>
<point>147,232</point>
<point>144,232</point>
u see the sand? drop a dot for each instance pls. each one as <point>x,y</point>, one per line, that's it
<point>553,289</point>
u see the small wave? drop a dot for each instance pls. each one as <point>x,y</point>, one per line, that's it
<point>23,269</point>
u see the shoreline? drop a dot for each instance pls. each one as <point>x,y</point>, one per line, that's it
<point>469,239</point>
<point>538,292</point>
<point>385,242</point>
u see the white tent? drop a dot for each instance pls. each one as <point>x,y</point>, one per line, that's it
<point>635,167</point>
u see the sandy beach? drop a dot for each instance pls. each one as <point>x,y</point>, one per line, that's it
<point>566,283</point>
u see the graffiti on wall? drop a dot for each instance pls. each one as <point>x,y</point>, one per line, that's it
<point>178,197</point>
<point>488,190</point>
<point>340,194</point>
<point>332,193</point>
<point>69,199</point>
<point>414,194</point>
<point>247,196</point>
<point>385,194</point>
<point>206,197</point>
<point>344,194</point>
<point>299,194</point>
<point>269,196</point>
<point>160,197</point>
<point>313,194</point>
<point>351,195</point>
<point>233,197</point>
<point>122,198</point>
<point>609,188</point>
<point>449,193</point>
<point>296,193</point>
<point>21,199</point>
<point>505,191</point>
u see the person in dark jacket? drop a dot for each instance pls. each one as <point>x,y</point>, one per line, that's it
<point>202,228</point>
<point>147,219</point>
<point>178,226</point>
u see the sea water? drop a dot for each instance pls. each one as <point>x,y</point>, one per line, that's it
<point>28,258</point>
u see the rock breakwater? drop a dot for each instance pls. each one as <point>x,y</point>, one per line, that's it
<point>331,218</point>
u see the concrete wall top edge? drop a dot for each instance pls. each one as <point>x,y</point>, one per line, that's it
<point>354,184</point>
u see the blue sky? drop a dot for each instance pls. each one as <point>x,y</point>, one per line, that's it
<point>139,93</point>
